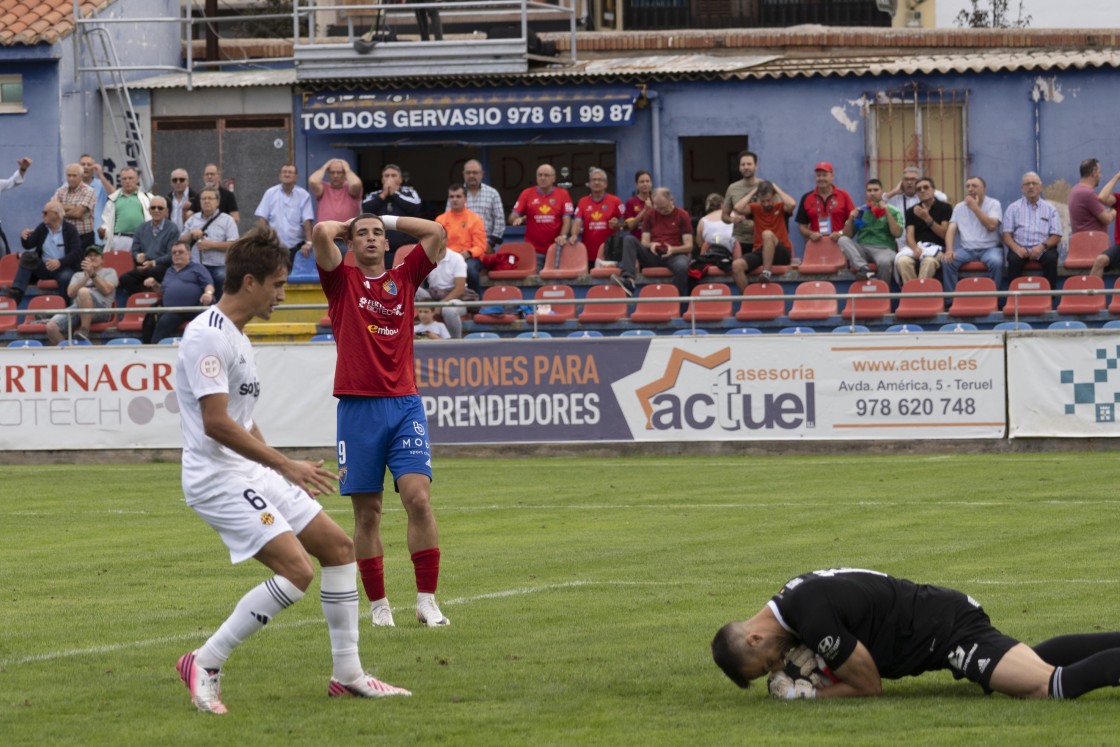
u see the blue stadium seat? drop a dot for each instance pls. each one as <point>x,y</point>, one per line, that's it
<point>585,333</point>
<point>844,329</point>
<point>1111,324</point>
<point>796,331</point>
<point>689,332</point>
<point>322,338</point>
<point>534,335</point>
<point>1012,326</point>
<point>1068,324</point>
<point>170,341</point>
<point>638,333</point>
<point>123,341</point>
<point>25,344</point>
<point>958,327</point>
<point>744,331</point>
<point>482,336</point>
<point>905,328</point>
<point>76,342</point>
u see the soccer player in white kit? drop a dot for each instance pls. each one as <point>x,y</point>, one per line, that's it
<point>261,502</point>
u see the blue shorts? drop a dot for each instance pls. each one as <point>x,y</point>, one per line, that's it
<point>379,432</point>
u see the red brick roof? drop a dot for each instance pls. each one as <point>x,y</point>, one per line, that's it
<point>45,22</point>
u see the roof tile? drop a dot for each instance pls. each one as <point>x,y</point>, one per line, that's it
<point>33,22</point>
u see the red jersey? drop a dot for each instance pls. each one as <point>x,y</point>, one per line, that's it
<point>836,209</point>
<point>667,229</point>
<point>371,319</point>
<point>596,217</point>
<point>544,215</point>
<point>634,206</point>
<point>773,219</point>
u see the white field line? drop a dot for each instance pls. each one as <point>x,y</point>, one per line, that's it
<point>110,647</point>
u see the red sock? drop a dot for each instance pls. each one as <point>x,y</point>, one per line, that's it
<point>426,563</point>
<point>372,571</point>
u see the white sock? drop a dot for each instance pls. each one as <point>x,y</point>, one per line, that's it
<point>252,613</point>
<point>339,595</point>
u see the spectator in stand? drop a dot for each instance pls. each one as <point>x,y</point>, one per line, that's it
<point>427,328</point>
<point>639,205</point>
<point>466,234</point>
<point>485,202</point>
<point>824,211</point>
<point>394,198</point>
<point>871,235</point>
<point>227,202</point>
<point>126,210</point>
<point>180,198</point>
<point>94,177</point>
<point>666,242</point>
<point>1087,212</point>
<point>151,248</point>
<point>769,208</point>
<point>185,283</point>
<point>14,181</point>
<point>905,195</point>
<point>1109,196</point>
<point>79,202</point>
<point>546,211</point>
<point>740,220</point>
<point>926,225</point>
<point>973,235</point>
<point>447,282</point>
<point>288,209</point>
<point>711,229</point>
<point>1032,230</point>
<point>52,251</point>
<point>209,233</point>
<point>340,196</point>
<point>597,216</point>
<point>94,287</point>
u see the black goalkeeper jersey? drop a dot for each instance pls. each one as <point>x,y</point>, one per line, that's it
<point>906,627</point>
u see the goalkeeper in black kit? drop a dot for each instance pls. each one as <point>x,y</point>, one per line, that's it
<point>840,632</point>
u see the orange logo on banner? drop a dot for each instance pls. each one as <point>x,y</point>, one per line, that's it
<point>668,380</point>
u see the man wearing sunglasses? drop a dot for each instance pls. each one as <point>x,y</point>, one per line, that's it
<point>180,198</point>
<point>151,248</point>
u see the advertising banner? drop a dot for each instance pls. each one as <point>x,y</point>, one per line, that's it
<point>1063,384</point>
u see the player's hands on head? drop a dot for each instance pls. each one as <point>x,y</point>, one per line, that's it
<point>310,476</point>
<point>784,687</point>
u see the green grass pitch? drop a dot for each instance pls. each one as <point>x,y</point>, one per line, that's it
<point>583,594</point>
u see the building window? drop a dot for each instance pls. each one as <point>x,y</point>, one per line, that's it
<point>923,128</point>
<point>11,94</point>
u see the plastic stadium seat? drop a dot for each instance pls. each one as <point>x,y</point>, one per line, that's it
<point>822,257</point>
<point>1068,324</point>
<point>1028,305</point>
<point>604,313</point>
<point>8,321</point>
<point>1012,327</point>
<point>526,261</point>
<point>76,342</point>
<point>709,311</point>
<point>555,295</point>
<point>170,341</point>
<point>1111,324</point>
<point>770,303</point>
<point>118,260</point>
<point>796,331</point>
<point>585,333</point>
<point>638,333</point>
<point>713,270</point>
<point>482,336</point>
<point>539,334</point>
<point>499,295</point>
<point>123,341</point>
<point>870,305</point>
<point>25,344</point>
<point>814,310</point>
<point>1084,246</point>
<point>844,329</point>
<point>134,322</point>
<point>958,327</point>
<point>1114,302</point>
<point>605,272</point>
<point>573,262</point>
<point>9,263</point>
<point>920,308</point>
<point>744,331</point>
<point>349,259</point>
<point>304,269</point>
<point>322,338</point>
<point>48,285</point>
<point>656,312</point>
<point>973,266</point>
<point>905,328</point>
<point>1082,304</point>
<point>400,254</point>
<point>43,306</point>
<point>690,332</point>
<point>108,323</point>
<point>657,272</point>
<point>976,305</point>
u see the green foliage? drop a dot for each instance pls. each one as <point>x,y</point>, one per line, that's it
<point>997,15</point>
<point>583,595</point>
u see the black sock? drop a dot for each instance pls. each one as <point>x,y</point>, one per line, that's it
<point>1068,649</point>
<point>1102,669</point>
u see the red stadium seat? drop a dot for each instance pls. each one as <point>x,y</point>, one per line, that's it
<point>118,260</point>
<point>134,322</point>
<point>604,272</point>
<point>400,254</point>
<point>1114,303</point>
<point>108,324</point>
<point>349,259</point>
<point>1028,305</point>
<point>556,295</point>
<point>709,311</point>
<point>1082,304</point>
<point>920,308</point>
<point>817,309</point>
<point>526,261</point>
<point>822,257</point>
<point>604,313</point>
<point>1084,246</point>
<point>657,272</point>
<point>656,312</point>
<point>8,322</point>
<point>499,295</point>
<point>874,306</point>
<point>766,301</point>
<point>9,263</point>
<point>713,270</point>
<point>976,305</point>
<point>573,262</point>
<point>39,305</point>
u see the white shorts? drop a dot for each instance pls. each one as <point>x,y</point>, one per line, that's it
<point>249,513</point>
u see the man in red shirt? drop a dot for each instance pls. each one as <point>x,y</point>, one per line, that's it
<point>769,209</point>
<point>546,212</point>
<point>666,242</point>
<point>598,215</point>
<point>381,418</point>
<point>824,211</point>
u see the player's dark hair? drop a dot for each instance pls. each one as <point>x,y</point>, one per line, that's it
<point>980,179</point>
<point>750,153</point>
<point>1088,166</point>
<point>875,182</point>
<point>640,173</point>
<point>929,179</point>
<point>765,189</point>
<point>258,253</point>
<point>457,187</point>
<point>727,657</point>
<point>354,223</point>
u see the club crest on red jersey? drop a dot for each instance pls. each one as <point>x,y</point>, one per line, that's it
<point>390,287</point>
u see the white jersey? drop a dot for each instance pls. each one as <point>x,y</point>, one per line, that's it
<point>215,357</point>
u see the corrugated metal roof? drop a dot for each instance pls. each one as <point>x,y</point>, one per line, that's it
<point>235,79</point>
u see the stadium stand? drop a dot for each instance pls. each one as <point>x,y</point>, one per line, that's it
<point>8,321</point>
<point>118,260</point>
<point>973,306</point>
<point>920,308</point>
<point>1078,305</point>
<point>76,342</point>
<point>39,306</point>
<point>822,257</point>
<point>958,327</point>
<point>656,312</point>
<point>1012,327</point>
<point>744,331</point>
<point>322,338</point>
<point>814,310</point>
<point>560,312</point>
<point>796,331</point>
<point>573,262</point>
<point>530,335</point>
<point>481,336</point>
<point>638,333</point>
<point>1084,246</point>
<point>526,261</point>
<point>134,322</point>
<point>870,308</point>
<point>30,343</point>
<point>1114,302</point>
<point>123,341</point>
<point>1111,324</point>
<point>1068,324</point>
<point>690,332</point>
<point>501,297</point>
<point>585,333</point>
<point>709,311</point>
<point>604,313</point>
<point>9,263</point>
<point>904,328</point>
<point>844,329</point>
<point>770,305</point>
<point>1028,305</point>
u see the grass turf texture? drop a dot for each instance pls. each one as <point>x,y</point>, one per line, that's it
<point>583,594</point>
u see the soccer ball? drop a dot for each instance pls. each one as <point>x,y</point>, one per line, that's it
<point>803,664</point>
